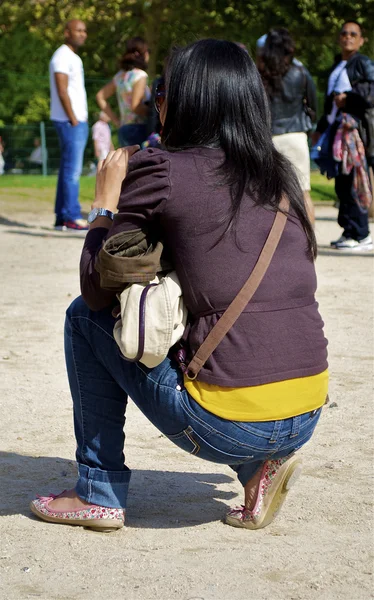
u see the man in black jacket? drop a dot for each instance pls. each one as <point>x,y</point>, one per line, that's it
<point>351,90</point>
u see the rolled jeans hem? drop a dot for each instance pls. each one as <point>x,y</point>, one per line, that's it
<point>104,488</point>
<point>246,471</point>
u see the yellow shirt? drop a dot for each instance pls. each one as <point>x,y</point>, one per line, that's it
<point>268,402</point>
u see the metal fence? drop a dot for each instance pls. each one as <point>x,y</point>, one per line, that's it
<point>23,143</point>
<point>34,149</point>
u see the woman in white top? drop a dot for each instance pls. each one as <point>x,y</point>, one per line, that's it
<point>130,86</point>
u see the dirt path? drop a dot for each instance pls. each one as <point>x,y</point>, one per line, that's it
<point>174,545</point>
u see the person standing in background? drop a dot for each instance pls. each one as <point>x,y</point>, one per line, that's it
<point>351,90</point>
<point>69,115</point>
<point>290,89</point>
<point>133,94</point>
<point>102,136</point>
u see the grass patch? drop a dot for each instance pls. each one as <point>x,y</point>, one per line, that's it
<point>42,189</point>
<point>40,182</point>
<point>29,193</point>
<point>322,189</point>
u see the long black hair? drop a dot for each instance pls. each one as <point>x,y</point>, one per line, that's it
<point>275,59</point>
<point>215,98</point>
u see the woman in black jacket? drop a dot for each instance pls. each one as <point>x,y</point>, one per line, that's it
<point>351,90</point>
<point>292,95</point>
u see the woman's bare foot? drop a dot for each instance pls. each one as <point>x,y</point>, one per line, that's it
<point>68,500</point>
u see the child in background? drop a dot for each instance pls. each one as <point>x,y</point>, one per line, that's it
<point>2,161</point>
<point>101,136</point>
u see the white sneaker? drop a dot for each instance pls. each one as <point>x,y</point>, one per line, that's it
<point>349,244</point>
<point>366,243</point>
<point>341,239</point>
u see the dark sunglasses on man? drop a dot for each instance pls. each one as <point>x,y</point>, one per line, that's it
<point>346,33</point>
<point>160,94</point>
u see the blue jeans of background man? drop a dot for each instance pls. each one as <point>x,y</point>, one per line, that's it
<point>101,381</point>
<point>132,134</point>
<point>72,141</point>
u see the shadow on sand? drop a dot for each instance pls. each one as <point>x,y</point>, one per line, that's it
<point>157,499</point>
<point>324,250</point>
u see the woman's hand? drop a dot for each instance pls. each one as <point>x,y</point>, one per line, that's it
<point>110,174</point>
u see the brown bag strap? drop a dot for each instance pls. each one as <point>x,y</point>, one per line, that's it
<point>234,310</point>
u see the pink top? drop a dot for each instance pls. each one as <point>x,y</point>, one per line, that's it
<point>102,135</point>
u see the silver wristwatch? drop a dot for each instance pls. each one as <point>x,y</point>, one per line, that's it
<point>99,212</point>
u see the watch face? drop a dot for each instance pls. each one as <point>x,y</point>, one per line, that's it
<point>92,215</point>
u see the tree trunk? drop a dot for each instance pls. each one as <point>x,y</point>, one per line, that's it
<point>152,29</point>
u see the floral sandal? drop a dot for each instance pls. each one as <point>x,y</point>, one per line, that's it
<point>99,518</point>
<point>277,477</point>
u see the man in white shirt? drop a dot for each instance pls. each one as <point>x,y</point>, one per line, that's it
<point>69,115</point>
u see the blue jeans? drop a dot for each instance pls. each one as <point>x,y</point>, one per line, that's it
<point>101,381</point>
<point>132,134</point>
<point>72,141</point>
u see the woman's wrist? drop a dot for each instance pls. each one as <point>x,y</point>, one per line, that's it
<point>100,202</point>
<point>101,222</point>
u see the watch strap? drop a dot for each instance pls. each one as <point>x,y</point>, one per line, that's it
<point>104,212</point>
<point>99,212</point>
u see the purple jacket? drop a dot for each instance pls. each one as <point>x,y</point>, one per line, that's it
<point>280,334</point>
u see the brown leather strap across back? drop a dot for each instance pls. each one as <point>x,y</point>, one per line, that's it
<point>232,313</point>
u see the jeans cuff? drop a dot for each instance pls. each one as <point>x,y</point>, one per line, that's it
<point>247,470</point>
<point>104,488</point>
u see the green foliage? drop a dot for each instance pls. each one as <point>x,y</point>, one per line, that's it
<point>31,30</point>
<point>35,111</point>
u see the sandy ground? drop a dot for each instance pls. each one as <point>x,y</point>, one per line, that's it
<point>174,545</point>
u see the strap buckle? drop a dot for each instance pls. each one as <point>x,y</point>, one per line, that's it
<point>189,376</point>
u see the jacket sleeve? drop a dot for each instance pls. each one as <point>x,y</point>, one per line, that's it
<point>361,97</point>
<point>92,294</point>
<point>310,93</point>
<point>143,194</point>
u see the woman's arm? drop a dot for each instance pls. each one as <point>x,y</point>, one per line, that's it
<point>101,98</point>
<point>145,188</point>
<point>62,81</point>
<point>311,94</point>
<point>96,149</point>
<point>111,172</point>
<point>138,93</point>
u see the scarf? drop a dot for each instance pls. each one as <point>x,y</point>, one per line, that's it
<point>349,150</point>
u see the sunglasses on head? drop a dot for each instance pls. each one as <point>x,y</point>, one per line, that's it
<point>346,33</point>
<point>160,95</point>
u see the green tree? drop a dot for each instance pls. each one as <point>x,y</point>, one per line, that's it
<point>31,31</point>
